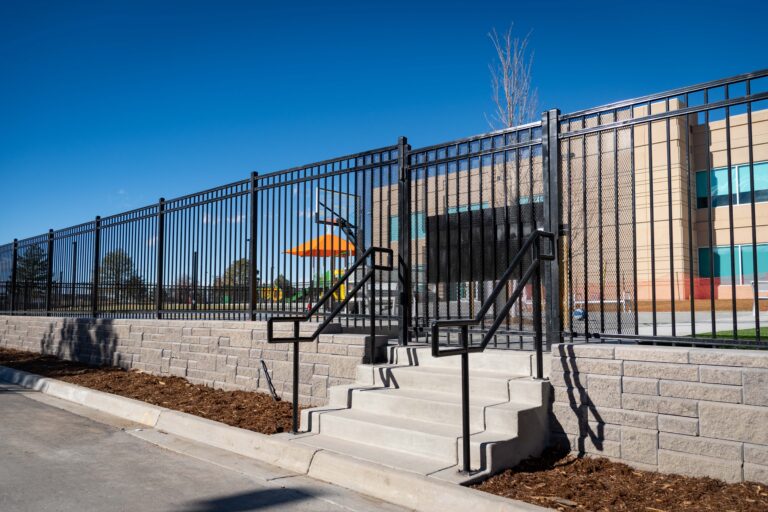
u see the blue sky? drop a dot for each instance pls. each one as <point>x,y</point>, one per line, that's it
<point>107,106</point>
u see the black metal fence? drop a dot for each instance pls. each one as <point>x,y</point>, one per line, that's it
<point>658,203</point>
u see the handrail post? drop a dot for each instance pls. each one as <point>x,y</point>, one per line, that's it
<point>160,244</point>
<point>536,296</point>
<point>252,251</point>
<point>295,425</point>
<point>372,336</point>
<point>96,251</point>
<point>49,274</point>
<point>465,399</point>
<point>14,268</point>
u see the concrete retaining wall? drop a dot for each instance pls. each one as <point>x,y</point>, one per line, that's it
<point>222,354</point>
<point>692,411</point>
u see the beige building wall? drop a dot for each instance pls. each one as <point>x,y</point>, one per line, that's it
<point>611,163</point>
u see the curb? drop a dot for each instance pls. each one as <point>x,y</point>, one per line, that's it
<point>405,489</point>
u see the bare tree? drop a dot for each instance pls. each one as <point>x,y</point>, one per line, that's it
<point>515,99</point>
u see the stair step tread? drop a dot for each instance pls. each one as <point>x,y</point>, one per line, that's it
<point>399,423</point>
<point>429,396</point>
<point>385,456</point>
<point>456,372</point>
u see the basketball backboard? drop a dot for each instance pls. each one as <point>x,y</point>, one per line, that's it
<point>336,208</point>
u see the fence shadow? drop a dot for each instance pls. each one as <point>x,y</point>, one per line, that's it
<point>585,412</point>
<point>85,340</point>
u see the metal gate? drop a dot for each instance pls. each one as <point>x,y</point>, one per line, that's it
<point>472,202</point>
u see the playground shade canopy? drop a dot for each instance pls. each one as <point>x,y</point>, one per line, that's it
<point>324,246</point>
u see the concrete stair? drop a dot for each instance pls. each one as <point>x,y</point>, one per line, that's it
<point>406,414</point>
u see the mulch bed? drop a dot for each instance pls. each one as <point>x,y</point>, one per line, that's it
<point>564,482</point>
<point>249,410</point>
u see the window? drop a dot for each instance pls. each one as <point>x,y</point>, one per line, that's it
<point>740,185</point>
<point>465,208</point>
<point>418,229</point>
<point>742,262</point>
<point>526,199</point>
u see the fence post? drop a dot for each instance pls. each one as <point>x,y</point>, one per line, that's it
<point>404,241</point>
<point>550,152</point>
<point>74,275</point>
<point>96,251</point>
<point>160,242</point>
<point>14,265</point>
<point>252,251</point>
<point>49,274</point>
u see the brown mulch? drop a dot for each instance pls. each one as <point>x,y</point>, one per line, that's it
<point>249,410</point>
<point>564,482</point>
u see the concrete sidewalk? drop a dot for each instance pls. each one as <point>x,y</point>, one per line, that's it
<point>59,456</point>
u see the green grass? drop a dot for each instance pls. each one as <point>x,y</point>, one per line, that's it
<point>747,334</point>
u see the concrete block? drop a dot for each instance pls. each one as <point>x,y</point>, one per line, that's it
<point>678,424</point>
<point>604,431</point>
<point>571,420</point>
<point>592,443</point>
<point>669,371</point>
<point>604,390</point>
<point>720,375</point>
<point>734,422</point>
<point>344,367</point>
<point>638,386</point>
<point>756,454</point>
<point>319,387</point>
<point>332,348</point>
<point>594,366</point>
<point>755,473</point>
<point>151,356</point>
<point>661,405</point>
<point>566,379</point>
<point>565,395</point>
<point>729,357</point>
<point>652,354</point>
<point>697,465</point>
<point>756,387</point>
<point>594,350</point>
<point>699,391</point>
<point>624,417</point>
<point>701,446</point>
<point>639,445</point>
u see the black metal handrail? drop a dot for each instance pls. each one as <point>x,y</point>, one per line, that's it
<point>533,271</point>
<point>296,320</point>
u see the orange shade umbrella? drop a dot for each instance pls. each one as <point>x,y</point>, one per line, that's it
<point>324,246</point>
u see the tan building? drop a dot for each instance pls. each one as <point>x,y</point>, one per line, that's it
<point>599,172</point>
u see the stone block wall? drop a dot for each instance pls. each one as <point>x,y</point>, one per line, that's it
<point>221,354</point>
<point>691,411</point>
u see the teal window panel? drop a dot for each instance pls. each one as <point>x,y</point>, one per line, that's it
<point>740,185</point>
<point>465,208</point>
<point>760,171</point>
<point>722,262</point>
<point>747,263</point>
<point>418,227</point>
<point>537,198</point>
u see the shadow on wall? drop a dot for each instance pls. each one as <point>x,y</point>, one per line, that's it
<point>85,340</point>
<point>584,411</point>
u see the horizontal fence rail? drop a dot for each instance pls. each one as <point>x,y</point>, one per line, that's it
<point>657,204</point>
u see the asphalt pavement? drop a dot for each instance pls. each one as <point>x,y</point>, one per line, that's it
<point>58,456</point>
